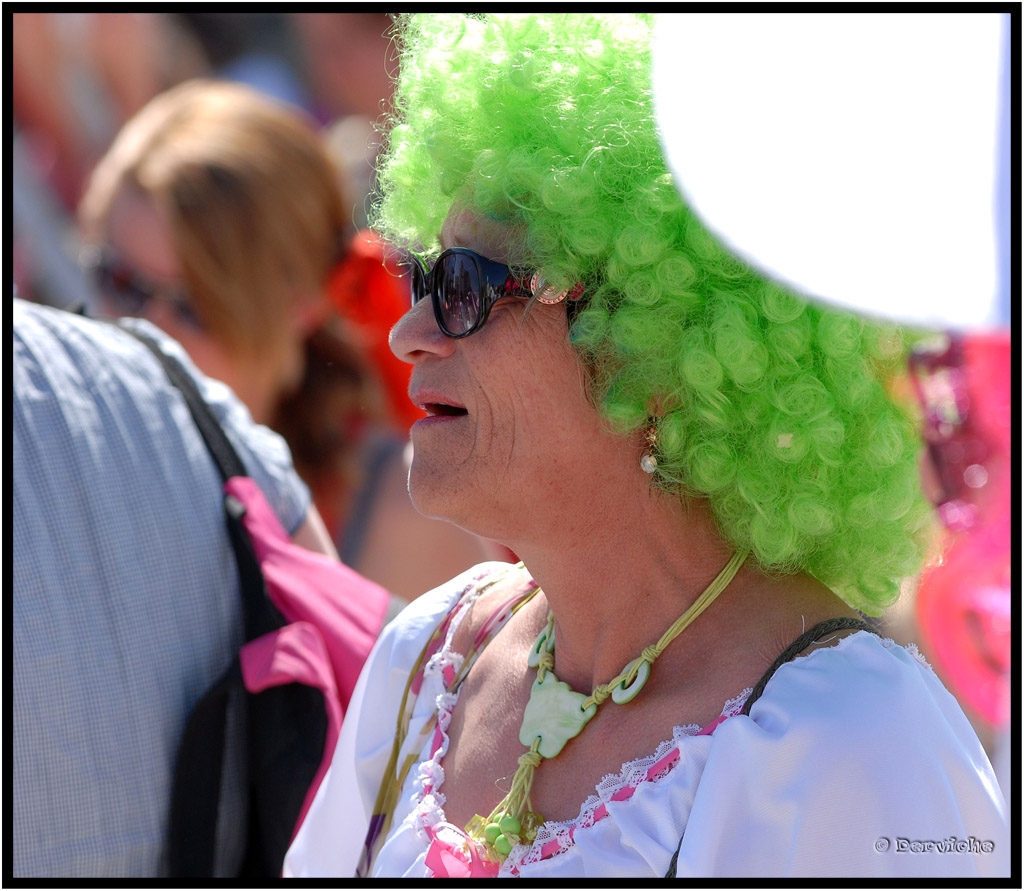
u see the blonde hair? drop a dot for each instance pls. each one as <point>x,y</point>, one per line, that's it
<point>252,198</point>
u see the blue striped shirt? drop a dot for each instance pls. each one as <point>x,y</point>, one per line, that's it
<point>125,600</point>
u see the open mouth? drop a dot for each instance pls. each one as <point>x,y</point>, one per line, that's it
<point>433,409</point>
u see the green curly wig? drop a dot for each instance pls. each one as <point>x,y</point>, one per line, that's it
<point>773,409</point>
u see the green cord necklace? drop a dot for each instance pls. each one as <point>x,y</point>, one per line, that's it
<point>555,713</point>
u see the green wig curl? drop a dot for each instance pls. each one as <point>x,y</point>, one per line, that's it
<point>773,409</point>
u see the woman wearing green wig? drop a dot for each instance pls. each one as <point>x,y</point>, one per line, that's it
<point>710,485</point>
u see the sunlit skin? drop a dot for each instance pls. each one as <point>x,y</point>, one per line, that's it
<point>491,432</point>
<point>513,449</point>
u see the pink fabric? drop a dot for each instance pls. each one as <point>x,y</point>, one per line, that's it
<point>964,604</point>
<point>448,862</point>
<point>498,617</point>
<point>670,760</point>
<point>708,729</point>
<point>335,617</point>
<point>309,587</point>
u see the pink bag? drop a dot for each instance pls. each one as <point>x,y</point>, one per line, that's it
<point>334,617</point>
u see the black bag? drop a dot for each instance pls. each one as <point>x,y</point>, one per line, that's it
<point>272,718</point>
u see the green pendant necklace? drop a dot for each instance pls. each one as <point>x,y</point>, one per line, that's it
<point>555,713</point>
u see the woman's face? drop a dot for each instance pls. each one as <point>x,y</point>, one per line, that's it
<point>140,247</point>
<point>509,433</point>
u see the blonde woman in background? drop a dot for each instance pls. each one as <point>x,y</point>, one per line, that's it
<point>217,215</point>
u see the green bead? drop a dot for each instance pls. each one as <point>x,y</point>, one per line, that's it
<point>510,825</point>
<point>491,832</point>
<point>502,845</point>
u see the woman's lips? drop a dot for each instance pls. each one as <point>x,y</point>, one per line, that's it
<point>437,405</point>
<point>442,409</point>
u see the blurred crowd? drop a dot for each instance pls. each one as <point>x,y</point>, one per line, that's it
<point>78,77</point>
<point>112,109</point>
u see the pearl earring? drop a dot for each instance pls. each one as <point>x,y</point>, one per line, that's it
<point>648,463</point>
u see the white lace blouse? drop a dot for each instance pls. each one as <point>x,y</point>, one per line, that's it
<point>854,762</point>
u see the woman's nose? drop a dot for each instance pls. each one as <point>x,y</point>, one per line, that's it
<point>417,335</point>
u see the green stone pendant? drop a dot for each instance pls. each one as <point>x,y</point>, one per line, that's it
<point>554,714</point>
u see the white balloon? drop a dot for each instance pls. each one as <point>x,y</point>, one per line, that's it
<point>852,156</point>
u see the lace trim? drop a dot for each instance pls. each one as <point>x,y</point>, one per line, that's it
<point>443,666</point>
<point>446,662</point>
<point>914,651</point>
<point>556,837</point>
<point>735,705</point>
<point>911,648</point>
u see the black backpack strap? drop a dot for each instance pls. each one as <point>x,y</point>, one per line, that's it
<point>213,434</point>
<point>259,613</point>
<point>195,811</point>
<point>819,631</point>
<point>829,626</point>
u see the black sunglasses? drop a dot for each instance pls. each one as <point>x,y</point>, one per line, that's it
<point>463,286</point>
<point>128,291</point>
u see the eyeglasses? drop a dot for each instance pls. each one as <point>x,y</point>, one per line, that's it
<point>463,286</point>
<point>128,291</point>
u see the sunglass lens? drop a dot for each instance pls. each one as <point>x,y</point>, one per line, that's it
<point>459,298</point>
<point>118,286</point>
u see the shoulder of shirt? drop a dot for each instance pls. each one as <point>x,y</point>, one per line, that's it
<point>101,334</point>
<point>863,683</point>
<point>424,614</point>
